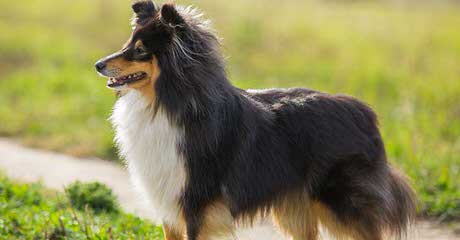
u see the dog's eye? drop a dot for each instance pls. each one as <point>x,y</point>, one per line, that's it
<point>139,50</point>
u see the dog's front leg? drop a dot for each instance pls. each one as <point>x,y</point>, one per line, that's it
<point>171,233</point>
<point>207,220</point>
<point>193,206</point>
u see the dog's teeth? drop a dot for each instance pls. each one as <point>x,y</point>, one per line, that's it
<point>120,80</point>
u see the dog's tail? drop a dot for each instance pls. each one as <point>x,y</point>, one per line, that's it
<point>376,204</point>
<point>392,206</point>
<point>397,208</point>
<point>400,209</point>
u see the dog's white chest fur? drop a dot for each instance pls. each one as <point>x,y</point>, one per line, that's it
<point>149,145</point>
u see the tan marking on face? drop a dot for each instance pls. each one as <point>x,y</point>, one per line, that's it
<point>146,85</point>
<point>138,44</point>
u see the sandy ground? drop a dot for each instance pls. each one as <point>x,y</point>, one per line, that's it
<point>57,170</point>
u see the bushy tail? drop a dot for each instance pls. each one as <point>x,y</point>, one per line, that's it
<point>401,205</point>
<point>376,204</point>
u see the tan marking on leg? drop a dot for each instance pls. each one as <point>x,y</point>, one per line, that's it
<point>349,230</point>
<point>172,233</point>
<point>217,223</point>
<point>295,218</point>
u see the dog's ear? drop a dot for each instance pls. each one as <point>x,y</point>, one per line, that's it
<point>144,10</point>
<point>170,15</point>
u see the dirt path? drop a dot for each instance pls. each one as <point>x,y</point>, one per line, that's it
<point>57,170</point>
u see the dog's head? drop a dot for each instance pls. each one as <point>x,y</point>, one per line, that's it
<point>136,65</point>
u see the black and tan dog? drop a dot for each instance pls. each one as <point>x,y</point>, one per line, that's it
<point>208,156</point>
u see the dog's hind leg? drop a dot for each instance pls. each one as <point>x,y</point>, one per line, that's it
<point>295,218</point>
<point>344,230</point>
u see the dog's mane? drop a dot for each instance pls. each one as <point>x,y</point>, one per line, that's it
<point>193,70</point>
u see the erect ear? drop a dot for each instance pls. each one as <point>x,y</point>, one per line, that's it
<point>144,10</point>
<point>169,14</point>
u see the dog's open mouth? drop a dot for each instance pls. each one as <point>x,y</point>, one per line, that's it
<point>117,82</point>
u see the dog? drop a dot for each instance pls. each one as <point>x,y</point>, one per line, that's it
<point>208,156</point>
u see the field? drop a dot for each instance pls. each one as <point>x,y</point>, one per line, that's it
<point>30,211</point>
<point>401,58</point>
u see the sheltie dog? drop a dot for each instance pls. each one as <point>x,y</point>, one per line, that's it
<point>209,156</point>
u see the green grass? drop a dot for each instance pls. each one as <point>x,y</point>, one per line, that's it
<point>28,211</point>
<point>403,59</point>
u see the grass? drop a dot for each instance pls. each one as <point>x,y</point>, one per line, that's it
<point>28,211</point>
<point>403,59</point>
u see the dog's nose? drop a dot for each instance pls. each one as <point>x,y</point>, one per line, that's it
<point>100,65</point>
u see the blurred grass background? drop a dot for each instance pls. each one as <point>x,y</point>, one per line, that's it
<point>402,57</point>
<point>29,211</point>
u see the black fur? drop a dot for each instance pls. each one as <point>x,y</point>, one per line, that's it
<point>170,15</point>
<point>144,10</point>
<point>251,149</point>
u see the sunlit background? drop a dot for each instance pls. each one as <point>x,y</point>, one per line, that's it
<point>401,57</point>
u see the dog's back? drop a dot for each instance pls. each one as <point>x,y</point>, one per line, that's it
<point>336,149</point>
